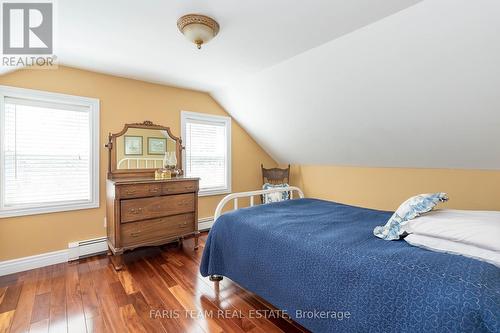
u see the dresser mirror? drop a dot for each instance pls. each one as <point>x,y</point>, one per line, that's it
<point>142,148</point>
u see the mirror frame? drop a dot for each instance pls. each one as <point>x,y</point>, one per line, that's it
<point>114,173</point>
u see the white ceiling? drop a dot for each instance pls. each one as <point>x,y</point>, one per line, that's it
<point>139,39</point>
<point>361,82</point>
<point>420,88</point>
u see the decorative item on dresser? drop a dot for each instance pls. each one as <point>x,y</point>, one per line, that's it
<point>142,210</point>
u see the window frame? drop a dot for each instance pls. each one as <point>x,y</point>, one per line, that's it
<point>208,118</point>
<point>50,97</point>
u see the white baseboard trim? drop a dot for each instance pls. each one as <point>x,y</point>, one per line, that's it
<point>74,251</point>
<point>205,223</point>
<point>31,262</point>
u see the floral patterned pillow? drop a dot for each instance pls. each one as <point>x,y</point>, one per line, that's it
<point>277,196</point>
<point>410,209</point>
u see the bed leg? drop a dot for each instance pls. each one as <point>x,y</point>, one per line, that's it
<point>215,278</point>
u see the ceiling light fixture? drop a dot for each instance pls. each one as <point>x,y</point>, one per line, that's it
<point>199,29</point>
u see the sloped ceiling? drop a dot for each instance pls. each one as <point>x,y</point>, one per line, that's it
<point>398,83</point>
<point>420,88</point>
<point>140,39</point>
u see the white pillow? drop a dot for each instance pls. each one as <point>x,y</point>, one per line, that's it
<point>447,246</point>
<point>477,228</point>
<point>408,210</point>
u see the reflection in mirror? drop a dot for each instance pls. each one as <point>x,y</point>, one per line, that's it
<point>141,148</point>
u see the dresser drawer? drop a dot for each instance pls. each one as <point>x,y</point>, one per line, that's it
<point>156,229</point>
<point>148,208</point>
<point>179,187</point>
<point>139,190</point>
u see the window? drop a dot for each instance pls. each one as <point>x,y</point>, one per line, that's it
<point>208,151</point>
<point>49,157</point>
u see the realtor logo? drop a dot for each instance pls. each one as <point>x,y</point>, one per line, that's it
<point>27,28</point>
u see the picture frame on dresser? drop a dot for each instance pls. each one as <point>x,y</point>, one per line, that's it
<point>144,211</point>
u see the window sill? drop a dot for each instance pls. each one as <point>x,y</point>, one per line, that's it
<point>208,193</point>
<point>47,209</point>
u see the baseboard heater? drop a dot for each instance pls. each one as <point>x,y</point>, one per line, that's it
<point>86,248</point>
<point>205,223</point>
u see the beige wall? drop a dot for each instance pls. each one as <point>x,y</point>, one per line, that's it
<point>387,188</point>
<point>122,101</point>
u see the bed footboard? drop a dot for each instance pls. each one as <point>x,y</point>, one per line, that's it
<point>251,195</point>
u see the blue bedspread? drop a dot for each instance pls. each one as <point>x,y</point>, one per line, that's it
<point>311,255</point>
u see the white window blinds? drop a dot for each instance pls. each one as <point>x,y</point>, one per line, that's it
<point>48,156</point>
<point>207,153</point>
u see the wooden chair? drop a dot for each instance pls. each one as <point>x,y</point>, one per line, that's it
<point>275,176</point>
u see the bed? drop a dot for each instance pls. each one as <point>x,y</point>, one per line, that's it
<point>319,261</point>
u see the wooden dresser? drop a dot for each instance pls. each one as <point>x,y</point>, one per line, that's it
<point>146,212</point>
<point>141,210</point>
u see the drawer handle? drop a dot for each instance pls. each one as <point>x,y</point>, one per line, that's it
<point>183,203</point>
<point>135,210</point>
<point>154,190</point>
<point>189,188</point>
<point>135,234</point>
<point>183,225</point>
<point>130,191</point>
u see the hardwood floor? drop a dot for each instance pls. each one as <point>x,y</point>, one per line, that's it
<point>161,290</point>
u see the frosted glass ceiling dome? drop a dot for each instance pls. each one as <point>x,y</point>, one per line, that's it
<point>199,29</point>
